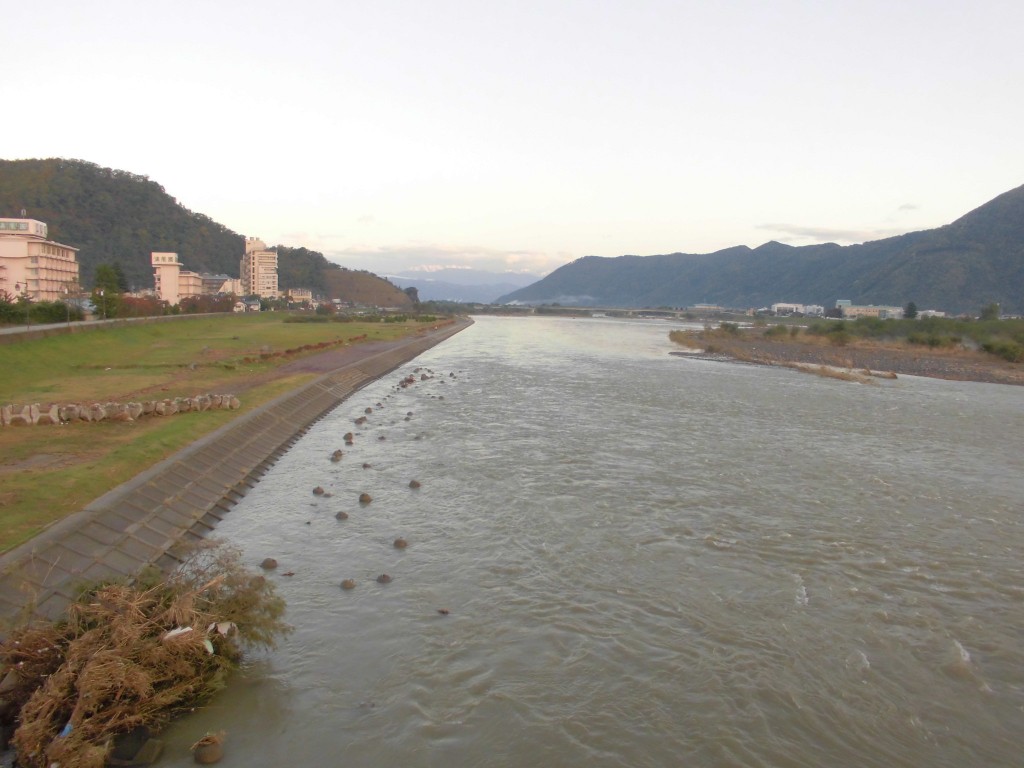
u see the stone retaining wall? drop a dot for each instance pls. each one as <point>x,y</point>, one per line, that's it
<point>37,415</point>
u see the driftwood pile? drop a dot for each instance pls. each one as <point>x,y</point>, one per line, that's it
<point>129,657</point>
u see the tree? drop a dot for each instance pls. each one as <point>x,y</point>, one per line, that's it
<point>910,311</point>
<point>413,294</point>
<point>990,311</point>
<point>122,280</point>
<point>106,291</point>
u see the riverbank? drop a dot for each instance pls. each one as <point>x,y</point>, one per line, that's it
<point>140,522</point>
<point>49,472</point>
<point>874,356</point>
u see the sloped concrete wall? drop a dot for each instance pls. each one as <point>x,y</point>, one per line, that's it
<point>141,522</point>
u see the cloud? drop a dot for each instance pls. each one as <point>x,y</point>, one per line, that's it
<point>428,258</point>
<point>791,232</point>
<point>908,207</point>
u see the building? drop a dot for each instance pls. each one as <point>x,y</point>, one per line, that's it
<point>172,283</point>
<point>232,286</point>
<point>300,295</point>
<point>258,270</point>
<point>216,284</point>
<point>33,266</point>
<point>783,308</point>
<point>850,310</point>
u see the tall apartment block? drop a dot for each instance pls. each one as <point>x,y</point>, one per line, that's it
<point>33,266</point>
<point>258,270</point>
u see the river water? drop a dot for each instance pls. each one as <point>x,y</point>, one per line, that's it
<point>646,560</point>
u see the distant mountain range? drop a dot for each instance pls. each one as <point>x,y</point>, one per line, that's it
<point>960,267</point>
<point>463,285</point>
<point>117,217</point>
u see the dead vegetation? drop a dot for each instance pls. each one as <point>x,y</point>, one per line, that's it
<point>132,656</point>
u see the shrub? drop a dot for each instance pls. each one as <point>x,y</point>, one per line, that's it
<point>822,327</point>
<point>776,332</point>
<point>840,337</point>
<point>1009,350</point>
<point>306,319</point>
<point>933,339</point>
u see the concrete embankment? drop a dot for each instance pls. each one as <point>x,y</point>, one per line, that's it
<point>141,522</point>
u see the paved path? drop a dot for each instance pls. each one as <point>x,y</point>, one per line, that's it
<point>141,522</point>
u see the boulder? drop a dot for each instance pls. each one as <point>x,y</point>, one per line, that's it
<point>118,412</point>
<point>68,412</point>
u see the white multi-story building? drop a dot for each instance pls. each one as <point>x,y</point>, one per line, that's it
<point>258,270</point>
<point>172,283</point>
<point>783,308</point>
<point>33,266</point>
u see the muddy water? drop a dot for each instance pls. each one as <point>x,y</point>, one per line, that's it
<point>645,560</point>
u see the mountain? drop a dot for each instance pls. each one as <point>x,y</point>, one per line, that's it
<point>117,217</point>
<point>960,267</point>
<point>464,285</point>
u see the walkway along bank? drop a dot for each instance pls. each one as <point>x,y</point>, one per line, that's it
<point>140,522</point>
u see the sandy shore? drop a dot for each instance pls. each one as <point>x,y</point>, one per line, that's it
<point>960,365</point>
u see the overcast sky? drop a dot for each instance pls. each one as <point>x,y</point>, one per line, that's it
<point>523,134</point>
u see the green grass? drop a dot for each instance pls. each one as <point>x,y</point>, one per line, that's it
<point>165,359</point>
<point>49,472</point>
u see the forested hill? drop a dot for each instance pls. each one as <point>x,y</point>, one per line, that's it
<point>117,217</point>
<point>961,267</point>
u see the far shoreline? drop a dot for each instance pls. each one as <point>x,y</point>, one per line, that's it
<point>959,365</point>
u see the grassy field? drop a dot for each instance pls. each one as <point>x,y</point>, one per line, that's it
<point>49,472</point>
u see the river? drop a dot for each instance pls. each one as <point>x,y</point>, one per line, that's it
<point>623,557</point>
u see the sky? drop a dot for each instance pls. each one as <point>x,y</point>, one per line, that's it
<point>520,135</point>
